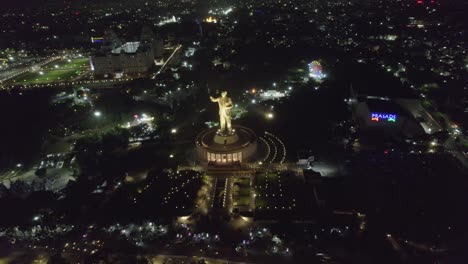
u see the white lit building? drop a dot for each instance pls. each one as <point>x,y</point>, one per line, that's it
<point>118,59</point>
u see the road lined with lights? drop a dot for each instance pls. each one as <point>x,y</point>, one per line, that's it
<point>167,61</point>
<point>29,68</point>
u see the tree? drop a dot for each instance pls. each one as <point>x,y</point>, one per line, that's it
<point>41,173</point>
<point>87,148</point>
<point>20,188</point>
<point>57,259</point>
<point>116,138</point>
<point>3,190</point>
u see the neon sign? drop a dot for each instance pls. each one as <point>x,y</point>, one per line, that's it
<point>377,117</point>
<point>97,39</point>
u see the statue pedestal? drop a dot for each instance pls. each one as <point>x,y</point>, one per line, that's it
<point>238,146</point>
<point>225,139</point>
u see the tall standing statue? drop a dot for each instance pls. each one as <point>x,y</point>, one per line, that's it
<point>225,106</point>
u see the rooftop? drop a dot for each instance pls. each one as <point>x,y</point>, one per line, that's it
<point>129,47</point>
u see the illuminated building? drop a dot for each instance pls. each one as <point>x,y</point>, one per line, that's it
<point>270,95</point>
<point>170,20</point>
<point>117,58</point>
<point>398,117</point>
<point>228,144</point>
<point>384,118</point>
<point>237,148</point>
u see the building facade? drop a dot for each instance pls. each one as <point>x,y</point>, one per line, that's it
<point>117,59</point>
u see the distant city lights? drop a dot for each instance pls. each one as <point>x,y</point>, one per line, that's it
<point>229,10</point>
<point>211,20</point>
<point>169,20</point>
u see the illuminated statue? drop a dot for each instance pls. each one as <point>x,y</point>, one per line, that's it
<point>225,105</point>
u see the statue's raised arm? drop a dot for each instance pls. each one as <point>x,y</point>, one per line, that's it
<point>214,100</point>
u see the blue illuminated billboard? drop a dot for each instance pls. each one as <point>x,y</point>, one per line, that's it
<point>377,117</point>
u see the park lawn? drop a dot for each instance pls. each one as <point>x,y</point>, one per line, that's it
<point>243,181</point>
<point>47,77</point>
<point>273,203</point>
<point>64,64</point>
<point>244,191</point>
<point>243,200</point>
<point>260,203</point>
<point>273,196</point>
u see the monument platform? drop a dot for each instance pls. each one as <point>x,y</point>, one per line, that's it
<point>238,146</point>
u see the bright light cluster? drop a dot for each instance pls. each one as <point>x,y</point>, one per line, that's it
<point>316,70</point>
<point>211,20</point>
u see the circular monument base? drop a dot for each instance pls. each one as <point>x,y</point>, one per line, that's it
<point>226,149</point>
<point>226,139</point>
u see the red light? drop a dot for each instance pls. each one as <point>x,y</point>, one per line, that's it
<point>135,116</point>
<point>420,2</point>
<point>77,13</point>
<point>386,151</point>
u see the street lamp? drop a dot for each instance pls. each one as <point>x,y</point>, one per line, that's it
<point>269,116</point>
<point>97,113</point>
<point>174,131</point>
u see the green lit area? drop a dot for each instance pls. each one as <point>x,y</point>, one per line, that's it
<point>241,192</point>
<point>68,64</point>
<point>58,71</point>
